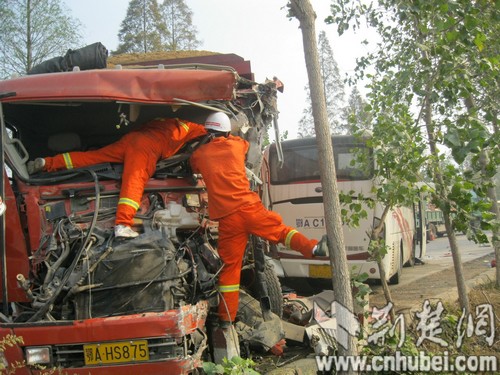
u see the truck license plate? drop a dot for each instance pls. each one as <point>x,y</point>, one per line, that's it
<point>116,352</point>
<point>320,271</point>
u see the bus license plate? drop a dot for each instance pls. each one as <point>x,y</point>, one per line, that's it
<point>116,352</point>
<point>320,271</point>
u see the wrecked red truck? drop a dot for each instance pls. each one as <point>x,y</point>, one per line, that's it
<point>74,297</point>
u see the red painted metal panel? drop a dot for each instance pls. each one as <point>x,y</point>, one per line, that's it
<point>17,254</point>
<point>172,323</point>
<point>132,85</point>
<point>182,366</point>
<point>238,63</point>
<point>13,354</point>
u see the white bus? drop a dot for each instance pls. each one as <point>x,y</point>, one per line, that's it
<point>291,187</point>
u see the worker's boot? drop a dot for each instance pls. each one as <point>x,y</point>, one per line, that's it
<point>321,248</point>
<point>124,231</point>
<point>36,165</point>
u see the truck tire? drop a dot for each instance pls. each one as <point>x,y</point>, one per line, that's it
<point>273,289</point>
<point>272,283</point>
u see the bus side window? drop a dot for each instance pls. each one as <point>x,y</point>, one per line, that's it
<point>344,167</point>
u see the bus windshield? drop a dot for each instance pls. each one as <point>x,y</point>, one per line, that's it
<point>353,161</point>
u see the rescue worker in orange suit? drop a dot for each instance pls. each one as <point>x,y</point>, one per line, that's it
<point>139,151</point>
<point>238,210</point>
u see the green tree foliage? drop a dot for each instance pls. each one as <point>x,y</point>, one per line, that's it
<point>333,87</point>
<point>152,27</point>
<point>179,21</point>
<point>143,29</point>
<point>355,112</point>
<point>435,87</point>
<point>433,58</point>
<point>32,31</point>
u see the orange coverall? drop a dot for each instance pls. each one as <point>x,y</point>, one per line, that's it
<point>139,151</point>
<point>240,213</point>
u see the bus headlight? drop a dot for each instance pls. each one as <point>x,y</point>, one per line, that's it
<point>38,355</point>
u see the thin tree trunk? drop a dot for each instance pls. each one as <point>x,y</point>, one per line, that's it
<point>492,194</point>
<point>441,194</point>
<point>304,12</point>
<point>495,238</point>
<point>495,209</point>
<point>144,36</point>
<point>441,190</point>
<point>29,43</point>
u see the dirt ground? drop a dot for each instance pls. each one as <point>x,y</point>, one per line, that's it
<point>408,298</point>
<point>433,286</point>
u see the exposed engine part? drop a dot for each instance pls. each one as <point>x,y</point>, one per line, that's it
<point>156,271</point>
<point>174,217</point>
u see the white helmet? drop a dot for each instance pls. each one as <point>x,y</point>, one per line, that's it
<point>218,121</point>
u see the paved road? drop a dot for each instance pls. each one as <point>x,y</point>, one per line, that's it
<point>439,257</point>
<point>436,280</point>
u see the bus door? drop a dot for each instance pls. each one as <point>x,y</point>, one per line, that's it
<point>421,227</point>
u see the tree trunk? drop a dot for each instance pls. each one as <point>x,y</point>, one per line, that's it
<point>495,209</point>
<point>495,238</point>
<point>492,195</point>
<point>441,190</point>
<point>29,42</point>
<point>457,263</point>
<point>303,11</point>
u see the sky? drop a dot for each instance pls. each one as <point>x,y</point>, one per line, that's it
<point>257,30</point>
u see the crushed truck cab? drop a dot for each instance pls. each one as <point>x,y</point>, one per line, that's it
<point>74,297</point>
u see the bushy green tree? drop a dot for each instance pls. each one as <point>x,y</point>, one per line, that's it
<point>179,21</point>
<point>437,72</point>
<point>355,113</point>
<point>151,27</point>
<point>142,29</point>
<point>32,31</point>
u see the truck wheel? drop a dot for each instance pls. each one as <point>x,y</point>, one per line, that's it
<point>272,283</point>
<point>273,289</point>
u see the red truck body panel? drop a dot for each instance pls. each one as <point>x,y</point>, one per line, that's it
<point>73,287</point>
<point>173,324</point>
<point>17,256</point>
<point>151,86</point>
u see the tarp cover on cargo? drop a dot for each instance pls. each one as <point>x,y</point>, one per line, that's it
<point>93,56</point>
